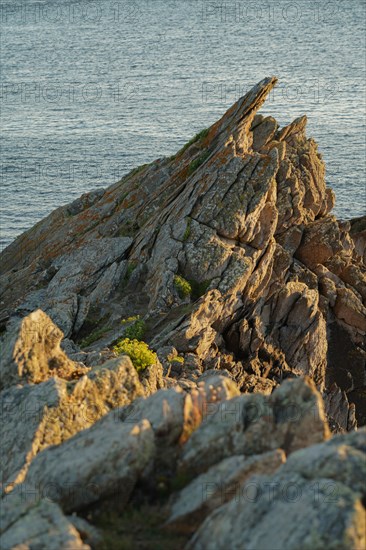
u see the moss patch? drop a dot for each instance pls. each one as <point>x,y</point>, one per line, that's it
<point>177,359</point>
<point>131,266</point>
<point>128,229</point>
<point>198,137</point>
<point>93,337</point>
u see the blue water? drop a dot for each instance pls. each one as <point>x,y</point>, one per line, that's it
<point>93,89</point>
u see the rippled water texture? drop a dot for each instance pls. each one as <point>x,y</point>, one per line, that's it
<point>92,89</point>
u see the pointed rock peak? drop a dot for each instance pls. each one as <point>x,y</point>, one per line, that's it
<point>254,99</point>
<point>298,126</point>
<point>237,120</point>
<point>248,104</point>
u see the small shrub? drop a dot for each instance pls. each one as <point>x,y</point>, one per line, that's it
<point>139,352</point>
<point>183,287</point>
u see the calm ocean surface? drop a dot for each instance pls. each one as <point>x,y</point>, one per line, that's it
<point>92,89</point>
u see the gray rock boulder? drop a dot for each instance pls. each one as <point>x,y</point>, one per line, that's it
<point>33,523</point>
<point>291,418</point>
<point>315,500</point>
<point>103,461</point>
<point>34,417</point>
<point>218,485</point>
<point>31,352</point>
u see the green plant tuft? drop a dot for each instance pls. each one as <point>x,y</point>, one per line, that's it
<point>139,352</point>
<point>183,287</point>
<point>187,232</point>
<point>197,137</point>
<point>177,359</point>
<point>197,162</point>
<point>130,269</point>
<point>136,170</point>
<point>130,319</point>
<point>136,330</point>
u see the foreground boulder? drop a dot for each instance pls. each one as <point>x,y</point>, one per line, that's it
<point>48,397</point>
<point>218,485</point>
<point>291,418</point>
<point>31,353</point>
<point>34,523</point>
<point>172,416</point>
<point>315,500</point>
<point>104,461</point>
<point>215,443</point>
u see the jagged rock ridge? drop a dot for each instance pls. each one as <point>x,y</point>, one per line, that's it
<point>242,213</point>
<point>245,283</point>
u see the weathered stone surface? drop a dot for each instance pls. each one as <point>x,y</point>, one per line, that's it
<point>102,461</point>
<point>152,378</point>
<point>340,413</point>
<point>358,234</point>
<point>36,523</point>
<point>31,352</point>
<point>291,418</point>
<point>217,486</point>
<point>321,240</point>
<point>24,413</point>
<point>174,414</point>
<point>165,411</point>
<point>314,500</point>
<point>217,388</point>
<point>37,416</point>
<point>88,533</point>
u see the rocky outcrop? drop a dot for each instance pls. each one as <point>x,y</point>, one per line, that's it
<point>226,260</point>
<point>227,251</point>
